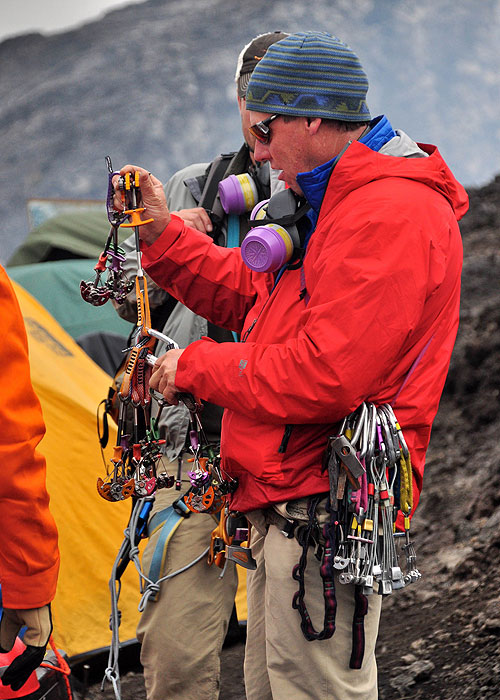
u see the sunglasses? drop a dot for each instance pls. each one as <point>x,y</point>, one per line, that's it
<point>261,130</point>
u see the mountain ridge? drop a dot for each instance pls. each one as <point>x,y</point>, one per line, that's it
<point>152,84</point>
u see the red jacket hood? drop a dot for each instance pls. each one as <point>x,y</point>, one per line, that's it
<point>360,165</point>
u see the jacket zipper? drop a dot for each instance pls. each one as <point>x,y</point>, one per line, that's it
<point>286,438</point>
<point>248,330</point>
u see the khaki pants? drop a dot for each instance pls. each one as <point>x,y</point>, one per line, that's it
<point>280,664</point>
<point>183,631</point>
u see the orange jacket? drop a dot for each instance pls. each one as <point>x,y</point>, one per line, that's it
<point>29,556</point>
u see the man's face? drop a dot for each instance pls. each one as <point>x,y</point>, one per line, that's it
<point>245,123</point>
<point>288,149</point>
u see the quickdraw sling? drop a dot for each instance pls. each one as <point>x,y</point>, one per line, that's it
<point>307,536</point>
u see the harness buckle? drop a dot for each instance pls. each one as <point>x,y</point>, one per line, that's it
<point>288,528</point>
<point>180,507</point>
<point>241,555</point>
<point>285,526</point>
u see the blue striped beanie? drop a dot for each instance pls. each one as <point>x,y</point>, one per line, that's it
<point>310,74</point>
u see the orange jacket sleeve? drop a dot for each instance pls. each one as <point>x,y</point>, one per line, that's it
<point>29,555</point>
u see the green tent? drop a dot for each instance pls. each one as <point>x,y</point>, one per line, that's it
<point>56,256</point>
<point>56,285</point>
<point>73,234</point>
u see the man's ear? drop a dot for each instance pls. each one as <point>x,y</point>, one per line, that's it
<point>313,124</point>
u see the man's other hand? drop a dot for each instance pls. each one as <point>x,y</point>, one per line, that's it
<point>163,376</point>
<point>196,218</point>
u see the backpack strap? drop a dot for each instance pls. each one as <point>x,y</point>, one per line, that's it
<point>204,188</point>
<point>233,231</point>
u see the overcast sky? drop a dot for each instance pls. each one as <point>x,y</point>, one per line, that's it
<point>49,16</point>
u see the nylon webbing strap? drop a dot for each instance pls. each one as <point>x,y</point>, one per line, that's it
<point>305,539</point>
<point>358,628</point>
<point>215,175</point>
<point>168,520</point>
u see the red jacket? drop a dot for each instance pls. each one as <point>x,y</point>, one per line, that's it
<point>29,557</point>
<point>382,272</point>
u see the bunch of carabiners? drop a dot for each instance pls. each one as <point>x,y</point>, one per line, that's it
<point>134,470</point>
<point>373,483</point>
<point>136,466</point>
<point>110,281</point>
<point>209,486</point>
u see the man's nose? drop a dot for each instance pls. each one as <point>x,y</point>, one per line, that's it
<point>261,151</point>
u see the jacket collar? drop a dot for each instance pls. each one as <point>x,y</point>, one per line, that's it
<point>313,183</point>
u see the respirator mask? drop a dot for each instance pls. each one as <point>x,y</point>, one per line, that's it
<point>238,193</point>
<point>279,236</point>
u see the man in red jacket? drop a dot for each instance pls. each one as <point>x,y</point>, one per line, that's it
<point>29,556</point>
<point>366,310</point>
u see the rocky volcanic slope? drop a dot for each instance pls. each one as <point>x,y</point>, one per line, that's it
<point>440,638</point>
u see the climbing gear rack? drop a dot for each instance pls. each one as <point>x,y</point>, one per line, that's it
<point>370,465</point>
<point>370,482</point>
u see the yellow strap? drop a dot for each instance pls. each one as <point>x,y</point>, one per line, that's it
<point>145,300</point>
<point>406,492</point>
<point>140,302</point>
<point>143,311</point>
<point>143,322</point>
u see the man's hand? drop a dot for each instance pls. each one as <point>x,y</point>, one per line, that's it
<point>196,218</point>
<point>153,201</point>
<point>163,376</point>
<point>39,627</point>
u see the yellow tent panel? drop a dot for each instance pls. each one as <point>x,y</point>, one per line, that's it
<point>241,594</point>
<point>70,386</point>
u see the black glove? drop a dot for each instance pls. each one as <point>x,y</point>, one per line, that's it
<point>39,627</point>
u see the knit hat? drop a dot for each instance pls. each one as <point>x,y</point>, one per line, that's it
<point>250,55</point>
<point>310,74</point>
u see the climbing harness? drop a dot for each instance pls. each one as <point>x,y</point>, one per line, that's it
<point>230,541</point>
<point>137,528</point>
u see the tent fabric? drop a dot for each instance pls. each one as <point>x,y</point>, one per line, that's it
<point>68,235</point>
<point>105,348</point>
<point>56,285</point>
<point>70,386</point>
